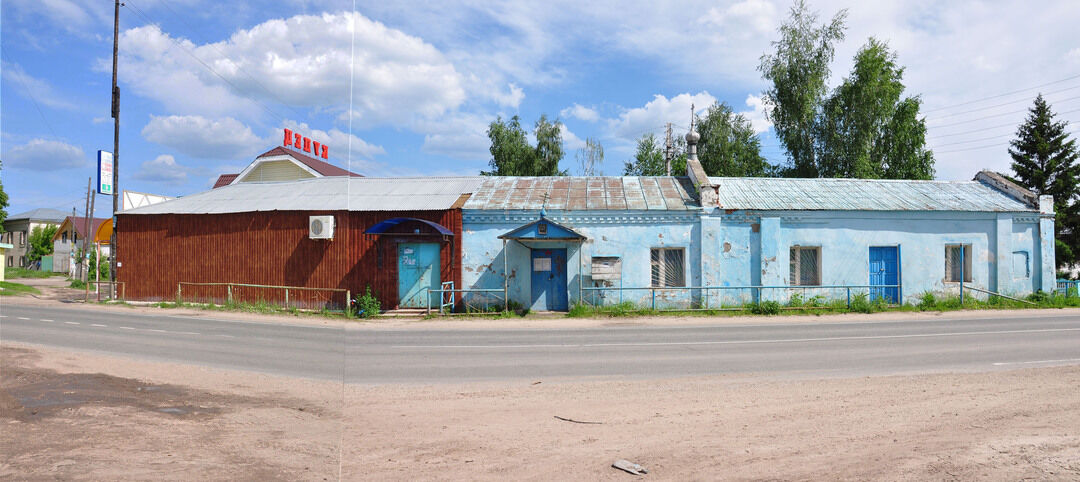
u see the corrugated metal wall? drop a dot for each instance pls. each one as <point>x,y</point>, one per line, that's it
<point>272,248</point>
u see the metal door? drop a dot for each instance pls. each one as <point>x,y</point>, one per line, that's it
<point>884,271</point>
<point>418,271</point>
<point>549,280</point>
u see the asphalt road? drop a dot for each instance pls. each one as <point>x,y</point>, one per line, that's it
<point>364,355</point>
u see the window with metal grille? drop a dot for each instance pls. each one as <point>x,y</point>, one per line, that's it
<point>667,267</point>
<point>957,261</point>
<point>805,266</point>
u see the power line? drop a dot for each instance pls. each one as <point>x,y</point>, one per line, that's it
<point>200,61</point>
<point>1026,99</point>
<point>33,99</point>
<point>1002,95</point>
<point>240,69</point>
<point>997,115</point>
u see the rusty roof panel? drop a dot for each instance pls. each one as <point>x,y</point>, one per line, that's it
<point>580,193</point>
<point>862,195</point>
<point>653,197</point>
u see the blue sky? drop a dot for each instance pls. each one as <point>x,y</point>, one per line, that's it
<point>412,86</point>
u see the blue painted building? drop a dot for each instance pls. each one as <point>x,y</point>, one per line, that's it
<point>689,241</point>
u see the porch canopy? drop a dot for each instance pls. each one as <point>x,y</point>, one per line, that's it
<point>543,230</point>
<point>384,226</point>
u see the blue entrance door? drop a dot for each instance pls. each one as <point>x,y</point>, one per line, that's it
<point>418,271</point>
<point>549,280</point>
<point>885,271</point>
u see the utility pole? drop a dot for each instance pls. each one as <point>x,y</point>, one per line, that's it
<point>669,149</point>
<point>83,261</point>
<point>116,150</point>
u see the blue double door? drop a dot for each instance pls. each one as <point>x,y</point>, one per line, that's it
<point>885,273</point>
<point>549,280</point>
<point>418,272</point>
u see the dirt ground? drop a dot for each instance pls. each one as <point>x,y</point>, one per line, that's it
<point>73,415</point>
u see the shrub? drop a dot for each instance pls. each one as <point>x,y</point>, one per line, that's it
<point>1039,297</point>
<point>927,301</point>
<point>765,308</point>
<point>860,304</point>
<point>367,305</point>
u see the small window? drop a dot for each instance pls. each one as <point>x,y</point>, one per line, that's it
<point>957,260</point>
<point>667,268</point>
<point>63,237</point>
<point>805,266</point>
<point>22,238</point>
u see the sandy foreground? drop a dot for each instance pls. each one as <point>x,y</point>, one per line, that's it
<point>74,415</point>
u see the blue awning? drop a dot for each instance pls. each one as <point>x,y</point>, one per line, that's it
<point>382,227</point>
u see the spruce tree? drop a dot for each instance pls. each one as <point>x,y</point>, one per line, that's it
<point>1045,161</point>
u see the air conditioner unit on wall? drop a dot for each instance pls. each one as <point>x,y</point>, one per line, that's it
<point>321,227</point>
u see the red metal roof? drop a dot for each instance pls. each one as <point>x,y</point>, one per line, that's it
<point>224,180</point>
<point>319,166</point>
<point>80,225</point>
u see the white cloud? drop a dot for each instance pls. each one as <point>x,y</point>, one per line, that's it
<point>760,15</point>
<point>162,169</point>
<point>32,87</point>
<point>571,142</point>
<point>756,114</point>
<point>460,136</point>
<point>652,117</point>
<point>197,136</point>
<point>44,155</point>
<point>580,112</point>
<point>302,61</point>
<point>511,98</point>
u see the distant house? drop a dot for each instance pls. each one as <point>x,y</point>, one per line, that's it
<point>283,164</point>
<point>17,230</point>
<point>72,234</point>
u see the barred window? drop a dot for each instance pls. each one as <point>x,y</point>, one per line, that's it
<point>955,254</point>
<point>667,267</point>
<point>805,266</point>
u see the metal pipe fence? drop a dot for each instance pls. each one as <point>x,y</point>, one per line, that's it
<point>301,297</point>
<point>1068,288</point>
<point>97,285</point>
<point>470,301</point>
<point>700,298</point>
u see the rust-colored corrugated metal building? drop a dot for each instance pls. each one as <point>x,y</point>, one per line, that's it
<point>258,233</point>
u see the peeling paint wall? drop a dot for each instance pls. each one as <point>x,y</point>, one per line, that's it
<point>1012,253</point>
<point>628,235</point>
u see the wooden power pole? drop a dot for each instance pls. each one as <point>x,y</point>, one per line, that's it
<point>116,150</point>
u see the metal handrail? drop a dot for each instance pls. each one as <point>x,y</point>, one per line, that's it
<point>348,293</point>
<point>441,291</point>
<point>707,289</point>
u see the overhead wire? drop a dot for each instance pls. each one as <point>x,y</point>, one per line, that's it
<point>33,98</point>
<point>266,89</point>
<point>998,96</point>
<point>150,21</point>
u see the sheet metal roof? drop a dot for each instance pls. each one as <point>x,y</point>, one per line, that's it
<point>40,214</point>
<point>323,194</point>
<point>862,195</point>
<point>581,193</point>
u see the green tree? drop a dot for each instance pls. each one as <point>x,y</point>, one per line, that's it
<point>511,154</point>
<point>41,242</point>
<point>649,159</point>
<point>590,158</point>
<point>3,201</point>
<point>865,129</point>
<point>1045,161</point>
<point>729,146</point>
<point>797,71</point>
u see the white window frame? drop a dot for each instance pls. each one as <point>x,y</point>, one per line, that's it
<point>660,264</point>
<point>968,255</point>
<point>795,266</point>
